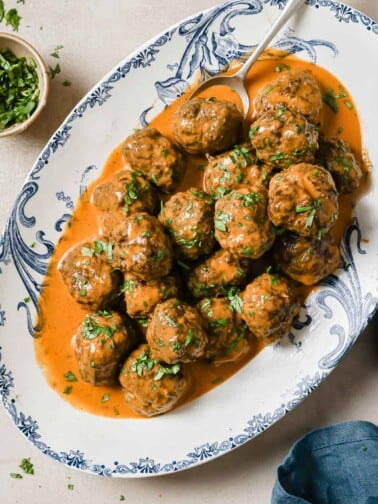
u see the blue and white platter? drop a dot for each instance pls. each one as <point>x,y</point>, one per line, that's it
<point>282,375</point>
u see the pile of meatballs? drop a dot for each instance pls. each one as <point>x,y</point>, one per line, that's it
<point>173,277</point>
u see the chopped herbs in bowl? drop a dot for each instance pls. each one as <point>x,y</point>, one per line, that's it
<point>23,84</point>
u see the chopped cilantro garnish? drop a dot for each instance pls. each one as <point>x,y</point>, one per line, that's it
<point>19,92</point>
<point>27,466</point>
<point>143,362</point>
<point>54,70</point>
<point>12,18</point>
<point>15,475</point>
<point>167,370</point>
<point>105,398</point>
<point>56,54</point>
<point>70,377</point>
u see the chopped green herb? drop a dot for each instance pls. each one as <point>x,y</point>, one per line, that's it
<point>19,92</point>
<point>167,370</point>
<point>67,390</point>
<point>280,68</point>
<point>2,10</point>
<point>189,337</point>
<point>27,299</point>
<point>143,362</point>
<point>92,328</point>
<point>70,486</point>
<point>15,475</point>
<point>169,321</point>
<point>105,398</point>
<point>221,220</point>
<point>268,90</point>
<point>115,410</point>
<point>329,99</point>
<point>348,104</point>
<point>57,49</point>
<point>66,83</point>
<point>82,292</point>
<point>70,377</point>
<point>235,301</point>
<point>363,447</point>
<point>253,130</point>
<point>128,286</point>
<point>12,18</point>
<point>164,151</point>
<point>122,498</point>
<point>27,466</point>
<point>53,71</point>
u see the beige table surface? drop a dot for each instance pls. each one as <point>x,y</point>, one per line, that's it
<point>96,34</point>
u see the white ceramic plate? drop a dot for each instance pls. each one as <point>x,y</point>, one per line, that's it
<point>335,36</point>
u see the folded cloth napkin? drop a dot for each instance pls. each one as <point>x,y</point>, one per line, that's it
<point>334,465</point>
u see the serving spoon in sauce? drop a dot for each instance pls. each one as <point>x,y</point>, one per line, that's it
<point>237,80</point>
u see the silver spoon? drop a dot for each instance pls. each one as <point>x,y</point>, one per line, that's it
<point>237,80</point>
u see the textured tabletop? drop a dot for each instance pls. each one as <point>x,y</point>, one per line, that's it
<point>95,35</point>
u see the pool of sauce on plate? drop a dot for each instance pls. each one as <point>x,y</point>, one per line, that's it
<point>60,315</point>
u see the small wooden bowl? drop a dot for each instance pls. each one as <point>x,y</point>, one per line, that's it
<point>20,48</point>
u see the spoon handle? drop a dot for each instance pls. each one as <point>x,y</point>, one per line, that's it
<point>290,7</point>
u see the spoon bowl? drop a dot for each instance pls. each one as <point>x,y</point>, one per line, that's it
<point>237,80</point>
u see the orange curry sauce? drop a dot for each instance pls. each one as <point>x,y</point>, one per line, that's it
<point>61,315</point>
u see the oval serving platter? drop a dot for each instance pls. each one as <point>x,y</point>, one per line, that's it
<point>282,375</point>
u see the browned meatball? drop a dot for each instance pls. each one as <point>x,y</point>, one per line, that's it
<point>294,90</point>
<point>176,333</point>
<point>336,155</point>
<point>188,217</point>
<point>228,336</point>
<point>142,247</point>
<point>303,199</point>
<point>218,272</point>
<point>282,138</point>
<point>151,388</point>
<point>125,189</point>
<point>233,169</point>
<point>269,306</point>
<point>204,125</point>
<point>101,343</point>
<point>155,157</point>
<point>142,296</point>
<point>305,259</point>
<point>87,272</point>
<point>241,223</point>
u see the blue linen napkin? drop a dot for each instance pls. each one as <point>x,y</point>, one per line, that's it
<point>334,465</point>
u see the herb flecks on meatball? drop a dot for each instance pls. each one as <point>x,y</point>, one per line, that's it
<point>269,306</point>
<point>228,335</point>
<point>295,90</point>
<point>241,223</point>
<point>220,271</point>
<point>155,157</point>
<point>101,343</point>
<point>307,259</point>
<point>87,272</point>
<point>142,247</point>
<point>282,138</point>
<point>188,217</point>
<point>303,199</point>
<point>150,387</point>
<point>176,332</point>
<point>142,296</point>
<point>207,125</point>
<point>335,155</point>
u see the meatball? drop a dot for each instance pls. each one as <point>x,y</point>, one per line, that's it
<point>176,333</point>
<point>218,272</point>
<point>204,125</point>
<point>228,336</point>
<point>151,388</point>
<point>125,189</point>
<point>155,157</point>
<point>269,306</point>
<point>233,169</point>
<point>87,272</point>
<point>142,247</point>
<point>188,217</point>
<point>336,155</point>
<point>141,297</point>
<point>241,223</point>
<point>101,343</point>
<point>306,259</point>
<point>303,199</point>
<point>282,138</point>
<point>294,90</point>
